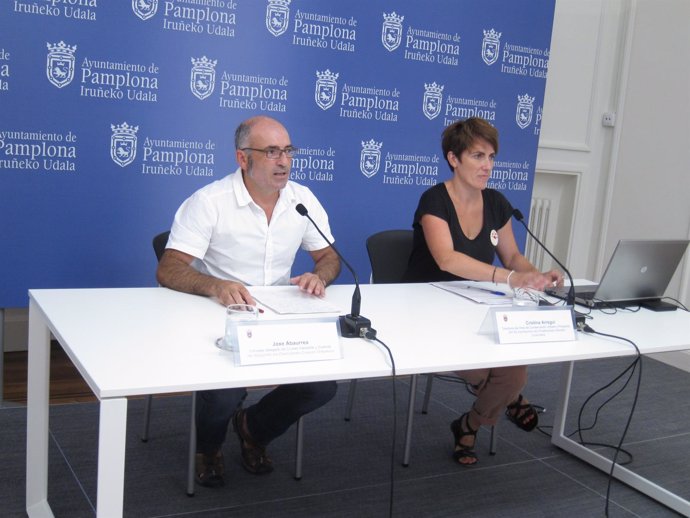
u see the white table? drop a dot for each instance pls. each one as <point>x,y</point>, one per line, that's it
<point>138,341</point>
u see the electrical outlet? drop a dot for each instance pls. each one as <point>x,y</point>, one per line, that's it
<point>609,119</point>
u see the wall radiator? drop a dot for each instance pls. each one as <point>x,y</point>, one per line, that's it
<point>539,224</point>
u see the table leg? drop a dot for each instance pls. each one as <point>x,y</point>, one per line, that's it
<point>410,418</point>
<point>641,484</point>
<point>37,415</point>
<point>111,457</point>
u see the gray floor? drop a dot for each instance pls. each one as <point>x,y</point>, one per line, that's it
<point>347,464</point>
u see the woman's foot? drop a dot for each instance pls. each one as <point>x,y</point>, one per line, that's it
<point>465,437</point>
<point>523,414</point>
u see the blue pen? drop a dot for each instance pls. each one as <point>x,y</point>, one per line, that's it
<point>499,293</point>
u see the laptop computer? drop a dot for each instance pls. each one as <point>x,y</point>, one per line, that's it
<point>638,273</point>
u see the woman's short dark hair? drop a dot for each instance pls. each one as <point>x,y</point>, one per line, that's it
<point>461,134</point>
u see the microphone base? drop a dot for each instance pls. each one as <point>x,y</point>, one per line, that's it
<point>580,318</point>
<point>354,327</point>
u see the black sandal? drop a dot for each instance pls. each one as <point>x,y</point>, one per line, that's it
<point>524,416</point>
<point>254,457</point>
<point>463,452</point>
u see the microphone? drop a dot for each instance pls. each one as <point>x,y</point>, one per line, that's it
<point>353,325</point>
<point>570,298</point>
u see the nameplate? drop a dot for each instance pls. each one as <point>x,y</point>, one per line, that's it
<point>516,325</point>
<point>281,341</point>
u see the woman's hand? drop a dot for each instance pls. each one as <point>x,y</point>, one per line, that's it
<point>536,280</point>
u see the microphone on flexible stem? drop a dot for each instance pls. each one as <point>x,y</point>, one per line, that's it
<point>570,298</point>
<point>353,325</point>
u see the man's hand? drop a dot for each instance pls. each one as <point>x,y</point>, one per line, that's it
<point>310,283</point>
<point>175,272</point>
<point>231,292</point>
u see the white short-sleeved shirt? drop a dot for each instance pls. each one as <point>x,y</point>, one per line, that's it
<point>227,233</point>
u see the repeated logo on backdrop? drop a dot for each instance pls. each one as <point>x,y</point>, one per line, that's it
<point>491,46</point>
<point>391,31</point>
<point>311,29</point>
<point>277,16</point>
<point>523,113</point>
<point>60,64</point>
<point>326,91</point>
<point>246,91</point>
<point>365,102</point>
<point>102,79</point>
<point>145,9</point>
<point>123,143</point>
<point>370,158</point>
<point>203,77</point>
<point>169,157</point>
<point>433,100</point>
<point>143,96</point>
<point>420,44</point>
<point>399,168</point>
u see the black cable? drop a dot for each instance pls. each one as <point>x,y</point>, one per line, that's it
<point>619,447</point>
<point>604,307</point>
<point>588,329</point>
<point>580,429</point>
<point>540,409</point>
<point>370,334</point>
<point>678,303</point>
<point>542,429</point>
<point>611,308</point>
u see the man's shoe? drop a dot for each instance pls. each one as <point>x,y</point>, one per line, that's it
<point>254,457</point>
<point>210,469</point>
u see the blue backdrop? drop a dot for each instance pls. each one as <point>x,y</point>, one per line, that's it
<point>113,112</point>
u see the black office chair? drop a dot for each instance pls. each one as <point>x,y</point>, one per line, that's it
<point>159,243</point>
<point>389,252</point>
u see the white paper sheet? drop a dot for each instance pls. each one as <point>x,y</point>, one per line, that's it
<point>292,300</point>
<point>481,293</point>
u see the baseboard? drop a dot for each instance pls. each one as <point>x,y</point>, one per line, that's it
<point>16,332</point>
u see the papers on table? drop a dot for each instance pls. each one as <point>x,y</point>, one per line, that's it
<point>480,292</point>
<point>292,300</point>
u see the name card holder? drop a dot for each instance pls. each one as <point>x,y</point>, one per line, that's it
<point>285,341</point>
<point>530,324</point>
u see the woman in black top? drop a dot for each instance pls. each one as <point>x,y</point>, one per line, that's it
<point>459,227</point>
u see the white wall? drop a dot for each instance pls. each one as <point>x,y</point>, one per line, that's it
<point>651,179</point>
<point>629,57</point>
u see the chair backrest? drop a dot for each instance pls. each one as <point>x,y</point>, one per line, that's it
<point>389,252</point>
<point>159,243</point>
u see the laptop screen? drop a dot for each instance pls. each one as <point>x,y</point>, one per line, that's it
<point>640,270</point>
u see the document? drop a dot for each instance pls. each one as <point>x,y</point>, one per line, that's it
<point>479,292</point>
<point>291,300</point>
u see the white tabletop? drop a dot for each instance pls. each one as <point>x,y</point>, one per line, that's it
<point>152,340</point>
<point>114,336</point>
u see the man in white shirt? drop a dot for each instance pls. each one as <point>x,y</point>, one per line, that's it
<point>238,232</point>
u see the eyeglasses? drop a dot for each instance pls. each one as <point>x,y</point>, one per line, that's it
<point>274,153</point>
